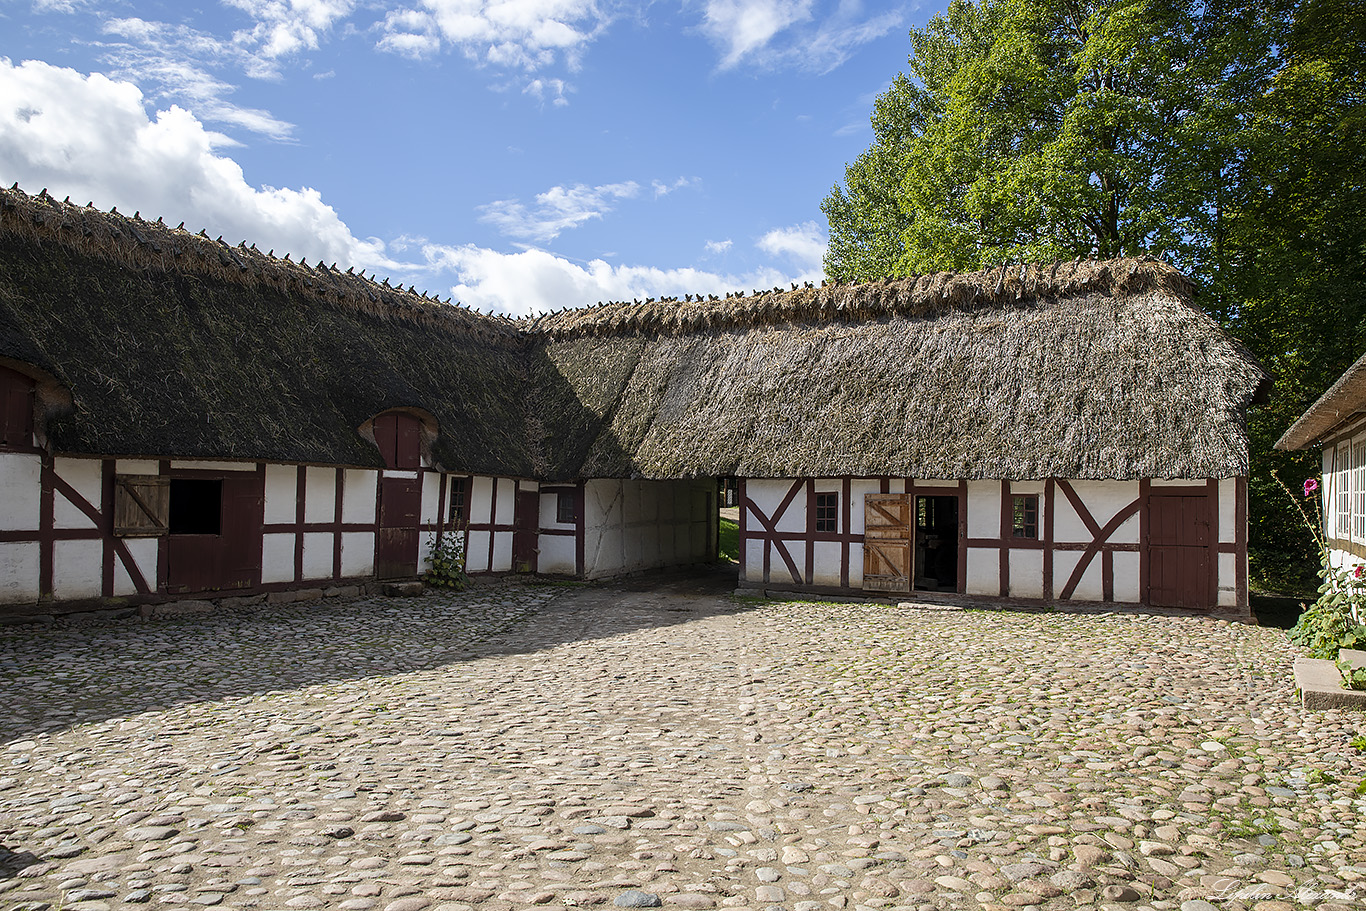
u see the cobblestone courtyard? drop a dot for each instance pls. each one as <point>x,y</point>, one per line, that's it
<point>514,747</point>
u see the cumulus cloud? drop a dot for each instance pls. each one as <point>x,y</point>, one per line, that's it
<point>803,245</point>
<point>509,34</point>
<point>556,210</point>
<point>716,247</point>
<point>91,137</point>
<point>285,27</point>
<point>791,33</point>
<point>664,189</point>
<point>552,89</point>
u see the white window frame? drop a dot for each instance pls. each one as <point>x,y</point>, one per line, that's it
<point>1359,490</point>
<point>1342,491</point>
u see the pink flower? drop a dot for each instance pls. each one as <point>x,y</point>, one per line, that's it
<point>1358,572</point>
<point>1311,485</point>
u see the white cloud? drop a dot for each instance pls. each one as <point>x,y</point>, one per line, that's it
<point>716,247</point>
<point>803,245</point>
<point>285,27</point>
<point>509,34</point>
<point>664,189</point>
<point>791,33</point>
<point>556,210</point>
<point>91,137</point>
<point>60,6</point>
<point>540,89</point>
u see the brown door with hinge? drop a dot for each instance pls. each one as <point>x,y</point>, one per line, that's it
<point>526,522</point>
<point>886,542</point>
<point>1180,556</point>
<point>214,541</point>
<point>400,513</point>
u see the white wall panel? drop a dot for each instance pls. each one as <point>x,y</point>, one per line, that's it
<point>85,476</point>
<point>359,496</point>
<point>137,466</point>
<point>557,554</point>
<point>1228,592</point>
<point>318,555</point>
<point>502,548</point>
<point>826,570</point>
<point>984,513</point>
<point>214,466</point>
<point>77,569</point>
<point>1127,586</point>
<point>277,558</point>
<point>320,495</point>
<point>282,494</point>
<point>19,568</point>
<point>480,501</point>
<point>859,491</point>
<point>984,567</point>
<point>1026,574</point>
<point>144,554</point>
<point>1091,587</point>
<point>358,554</point>
<point>1228,505</point>
<point>477,551</point>
<point>431,497</point>
<point>507,490</point>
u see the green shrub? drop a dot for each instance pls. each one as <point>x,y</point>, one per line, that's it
<point>447,556</point>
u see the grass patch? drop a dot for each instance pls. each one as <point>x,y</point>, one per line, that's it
<point>729,541</point>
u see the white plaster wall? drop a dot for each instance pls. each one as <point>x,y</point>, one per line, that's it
<point>1326,492</point>
<point>858,491</point>
<point>934,482</point>
<point>502,547</point>
<point>144,554</point>
<point>766,496</point>
<point>282,496</point>
<point>1092,584</point>
<point>1127,581</point>
<point>1228,505</point>
<point>77,569</point>
<point>21,478</point>
<point>550,512</point>
<point>19,568</point>
<point>360,493</point>
<point>752,566</point>
<point>507,490</point>
<point>1104,499</point>
<point>1026,574</point>
<point>984,564</point>
<point>826,570</point>
<point>320,496</point>
<point>277,558</point>
<point>477,552</point>
<point>896,485</point>
<point>358,553</point>
<point>137,466</point>
<point>632,525</point>
<point>557,554</point>
<point>431,498</point>
<point>215,466</point>
<point>318,555</point>
<point>829,485</point>
<point>85,476</point>
<point>1228,593</point>
<point>984,515</point>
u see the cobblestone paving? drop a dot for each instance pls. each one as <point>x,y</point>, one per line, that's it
<point>631,747</point>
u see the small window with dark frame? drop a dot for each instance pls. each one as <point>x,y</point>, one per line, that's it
<point>196,507</point>
<point>1026,510</point>
<point>565,511</point>
<point>457,500</point>
<point>827,513</point>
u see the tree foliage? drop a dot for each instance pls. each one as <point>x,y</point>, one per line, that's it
<point>1227,135</point>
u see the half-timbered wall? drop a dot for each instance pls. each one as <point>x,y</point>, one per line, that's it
<point>1343,499</point>
<point>1084,540</point>
<point>633,525</point>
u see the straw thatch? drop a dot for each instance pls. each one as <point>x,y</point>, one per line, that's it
<point>174,344</point>
<point>1345,400</point>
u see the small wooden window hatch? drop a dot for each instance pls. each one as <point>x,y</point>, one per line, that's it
<point>142,505</point>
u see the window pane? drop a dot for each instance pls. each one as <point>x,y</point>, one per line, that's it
<point>457,500</point>
<point>1026,516</point>
<point>565,509</point>
<point>827,513</point>
<point>1344,492</point>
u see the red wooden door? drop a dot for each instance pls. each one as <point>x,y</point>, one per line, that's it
<point>215,537</point>
<point>886,542</point>
<point>526,522</point>
<point>1180,552</point>
<point>16,410</point>
<point>400,512</point>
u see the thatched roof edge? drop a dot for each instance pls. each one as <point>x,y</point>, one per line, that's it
<point>1345,398</point>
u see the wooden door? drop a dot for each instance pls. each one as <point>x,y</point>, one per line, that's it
<point>526,522</point>
<point>1180,555</point>
<point>215,537</point>
<point>400,513</point>
<point>887,541</point>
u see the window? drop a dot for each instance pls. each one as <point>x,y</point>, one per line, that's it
<point>457,500</point>
<point>827,513</point>
<point>1026,516</point>
<point>1359,491</point>
<point>16,410</point>
<point>196,507</point>
<point>1342,477</point>
<point>565,512</point>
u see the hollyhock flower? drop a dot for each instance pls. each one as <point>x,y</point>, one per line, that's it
<point>1311,485</point>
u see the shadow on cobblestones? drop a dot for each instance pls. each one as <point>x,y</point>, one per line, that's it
<point>91,671</point>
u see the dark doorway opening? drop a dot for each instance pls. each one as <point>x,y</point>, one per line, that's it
<point>526,516</point>
<point>196,507</point>
<point>936,544</point>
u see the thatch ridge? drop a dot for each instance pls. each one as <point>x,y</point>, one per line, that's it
<point>922,297</point>
<point>139,244</point>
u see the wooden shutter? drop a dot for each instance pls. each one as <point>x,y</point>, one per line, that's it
<point>399,437</point>
<point>886,542</point>
<point>142,505</point>
<point>16,410</point>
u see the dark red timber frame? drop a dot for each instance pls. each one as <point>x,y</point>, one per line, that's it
<point>336,527</point>
<point>493,526</point>
<point>773,540</point>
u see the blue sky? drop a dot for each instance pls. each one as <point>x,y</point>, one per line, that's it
<point>517,155</point>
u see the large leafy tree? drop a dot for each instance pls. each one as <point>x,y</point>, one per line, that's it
<point>1227,135</point>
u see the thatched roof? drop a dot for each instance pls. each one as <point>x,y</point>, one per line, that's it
<point>1340,404</point>
<point>174,344</point>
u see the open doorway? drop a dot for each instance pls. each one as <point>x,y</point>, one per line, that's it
<point>936,544</point>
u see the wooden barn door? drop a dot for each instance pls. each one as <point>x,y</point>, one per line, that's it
<point>400,509</point>
<point>1180,556</point>
<point>526,522</point>
<point>887,538</point>
<point>215,537</point>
